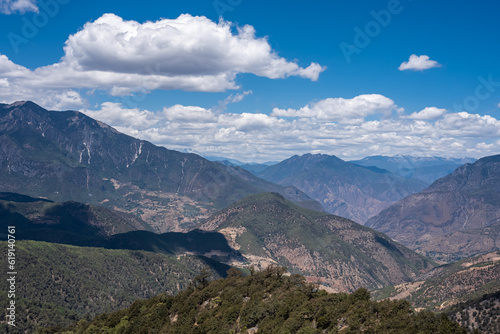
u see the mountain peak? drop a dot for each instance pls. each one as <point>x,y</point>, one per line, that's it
<point>66,155</point>
<point>28,104</point>
<point>25,107</point>
<point>343,188</point>
<point>318,155</point>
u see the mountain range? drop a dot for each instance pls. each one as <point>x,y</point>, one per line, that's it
<point>257,231</point>
<point>425,169</point>
<point>343,188</point>
<point>96,210</point>
<point>68,156</point>
<point>457,216</point>
<point>251,167</point>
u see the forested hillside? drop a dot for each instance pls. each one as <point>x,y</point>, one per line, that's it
<point>264,302</point>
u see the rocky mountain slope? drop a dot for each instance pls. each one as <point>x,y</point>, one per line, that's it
<point>447,285</point>
<point>268,229</point>
<point>69,156</point>
<point>468,290</point>
<point>343,188</point>
<point>458,216</point>
<point>425,169</point>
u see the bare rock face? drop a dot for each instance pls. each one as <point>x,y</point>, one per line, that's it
<point>458,216</point>
<point>68,156</point>
<point>268,229</point>
<point>344,189</point>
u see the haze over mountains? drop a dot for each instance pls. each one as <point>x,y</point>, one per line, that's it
<point>457,216</point>
<point>426,169</point>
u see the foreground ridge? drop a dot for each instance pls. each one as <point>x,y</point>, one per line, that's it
<point>264,302</point>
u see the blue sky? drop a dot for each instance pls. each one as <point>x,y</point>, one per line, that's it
<point>316,77</point>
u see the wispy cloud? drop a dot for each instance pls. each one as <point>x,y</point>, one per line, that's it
<point>418,63</point>
<point>18,6</point>
<point>233,98</point>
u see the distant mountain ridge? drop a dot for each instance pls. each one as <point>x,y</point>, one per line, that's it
<point>343,188</point>
<point>67,155</point>
<point>251,167</point>
<point>457,216</point>
<point>426,169</point>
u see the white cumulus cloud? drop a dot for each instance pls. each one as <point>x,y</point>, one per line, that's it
<point>185,46</point>
<point>428,113</point>
<point>340,109</point>
<point>115,114</point>
<point>418,63</point>
<point>190,53</point>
